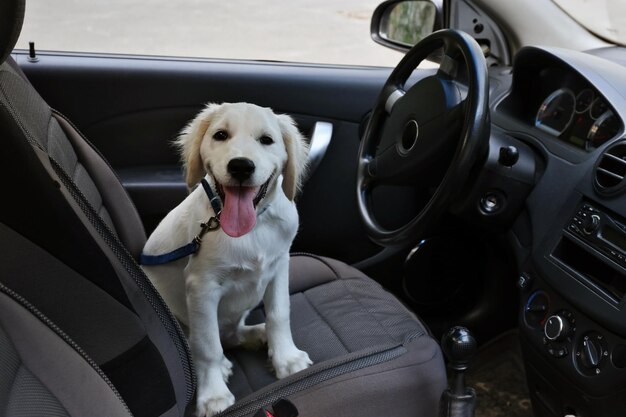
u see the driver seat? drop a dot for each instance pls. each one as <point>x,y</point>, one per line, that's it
<point>83,332</point>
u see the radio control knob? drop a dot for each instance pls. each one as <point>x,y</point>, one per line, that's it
<point>591,224</point>
<point>557,328</point>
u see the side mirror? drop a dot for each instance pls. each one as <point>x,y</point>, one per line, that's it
<point>400,24</point>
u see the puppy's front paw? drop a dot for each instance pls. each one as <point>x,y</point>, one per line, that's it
<point>213,394</point>
<point>211,403</point>
<point>288,364</point>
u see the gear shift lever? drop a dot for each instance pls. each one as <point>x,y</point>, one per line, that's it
<point>459,346</point>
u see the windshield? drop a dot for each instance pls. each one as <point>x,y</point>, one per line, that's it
<point>605,18</point>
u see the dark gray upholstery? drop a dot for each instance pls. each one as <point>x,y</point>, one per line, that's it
<point>106,328</point>
<point>29,397</point>
<point>116,207</point>
<point>77,229</point>
<point>11,18</point>
<point>64,144</point>
<point>42,375</point>
<point>370,353</point>
<point>21,393</point>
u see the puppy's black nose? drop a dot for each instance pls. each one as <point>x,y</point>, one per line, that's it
<point>240,168</point>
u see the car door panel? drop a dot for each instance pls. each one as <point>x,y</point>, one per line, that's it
<point>131,108</point>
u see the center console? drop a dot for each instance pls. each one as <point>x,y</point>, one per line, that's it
<point>574,339</point>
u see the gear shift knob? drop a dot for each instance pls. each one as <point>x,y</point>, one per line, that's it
<point>459,346</point>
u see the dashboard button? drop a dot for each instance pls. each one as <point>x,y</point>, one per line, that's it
<point>591,223</point>
<point>524,281</point>
<point>574,228</point>
<point>509,155</point>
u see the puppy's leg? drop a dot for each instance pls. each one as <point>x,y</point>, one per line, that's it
<point>251,336</point>
<point>247,336</point>
<point>286,358</point>
<point>212,367</point>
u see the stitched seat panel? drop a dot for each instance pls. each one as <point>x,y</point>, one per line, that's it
<point>21,393</point>
<point>37,119</point>
<point>336,311</point>
<point>58,149</point>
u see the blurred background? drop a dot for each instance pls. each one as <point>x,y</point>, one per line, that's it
<point>312,31</point>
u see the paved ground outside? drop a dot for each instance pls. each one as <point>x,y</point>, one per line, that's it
<point>320,31</point>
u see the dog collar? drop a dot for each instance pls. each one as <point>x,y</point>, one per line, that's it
<point>213,198</point>
<point>192,247</point>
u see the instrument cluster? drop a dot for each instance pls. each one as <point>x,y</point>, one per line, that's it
<point>582,118</point>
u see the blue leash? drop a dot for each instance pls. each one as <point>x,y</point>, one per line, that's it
<point>192,247</point>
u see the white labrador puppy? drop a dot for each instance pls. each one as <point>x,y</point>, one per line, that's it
<point>243,152</point>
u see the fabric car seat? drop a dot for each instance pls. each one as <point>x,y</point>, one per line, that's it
<point>84,333</point>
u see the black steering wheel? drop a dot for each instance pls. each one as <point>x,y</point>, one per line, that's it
<point>430,135</point>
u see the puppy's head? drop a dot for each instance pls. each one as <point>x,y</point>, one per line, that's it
<point>244,148</point>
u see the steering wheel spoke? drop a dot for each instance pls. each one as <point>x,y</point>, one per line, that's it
<point>454,118</point>
<point>448,67</point>
<point>392,98</point>
<point>429,134</point>
<point>367,174</point>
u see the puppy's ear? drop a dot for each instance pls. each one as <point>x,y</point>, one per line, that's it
<point>297,151</point>
<point>189,141</point>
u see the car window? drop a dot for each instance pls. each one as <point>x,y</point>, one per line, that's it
<point>313,31</point>
<point>606,18</point>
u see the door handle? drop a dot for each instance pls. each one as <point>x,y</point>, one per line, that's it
<point>320,139</point>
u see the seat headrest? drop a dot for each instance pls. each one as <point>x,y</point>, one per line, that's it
<point>11,18</point>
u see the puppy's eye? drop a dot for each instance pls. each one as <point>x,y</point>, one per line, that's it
<point>220,135</point>
<point>266,140</point>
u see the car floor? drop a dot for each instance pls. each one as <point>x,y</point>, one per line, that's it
<point>497,374</point>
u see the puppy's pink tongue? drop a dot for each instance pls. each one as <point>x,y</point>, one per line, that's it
<point>238,214</point>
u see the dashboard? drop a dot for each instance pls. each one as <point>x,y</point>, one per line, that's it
<point>570,239</point>
<point>557,100</point>
<point>583,118</point>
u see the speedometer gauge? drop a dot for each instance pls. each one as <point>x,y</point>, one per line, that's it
<point>584,100</point>
<point>556,112</point>
<point>598,108</point>
<point>605,128</point>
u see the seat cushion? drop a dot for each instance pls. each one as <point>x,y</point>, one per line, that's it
<point>371,354</point>
<point>44,373</point>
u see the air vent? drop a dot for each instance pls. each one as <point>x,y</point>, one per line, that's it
<point>611,169</point>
